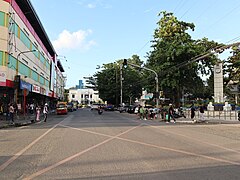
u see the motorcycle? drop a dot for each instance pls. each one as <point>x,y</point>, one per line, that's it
<point>179,113</point>
<point>100,111</point>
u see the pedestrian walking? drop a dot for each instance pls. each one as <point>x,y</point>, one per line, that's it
<point>45,112</point>
<point>170,114</point>
<point>145,113</point>
<point>192,112</point>
<point>11,113</point>
<point>141,112</point>
<point>151,113</point>
<point>201,109</point>
<point>38,110</point>
<point>31,108</point>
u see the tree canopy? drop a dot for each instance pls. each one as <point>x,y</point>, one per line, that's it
<point>184,65</point>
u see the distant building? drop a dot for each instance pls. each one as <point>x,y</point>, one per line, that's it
<point>80,85</point>
<point>84,96</point>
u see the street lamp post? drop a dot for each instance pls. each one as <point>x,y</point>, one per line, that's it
<point>16,90</point>
<point>121,84</point>
<point>156,77</point>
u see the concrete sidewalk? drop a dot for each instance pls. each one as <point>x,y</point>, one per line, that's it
<point>208,121</point>
<point>19,120</point>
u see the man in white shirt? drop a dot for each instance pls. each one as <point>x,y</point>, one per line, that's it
<point>45,112</point>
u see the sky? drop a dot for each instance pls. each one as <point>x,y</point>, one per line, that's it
<point>88,33</point>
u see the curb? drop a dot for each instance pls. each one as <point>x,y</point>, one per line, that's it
<point>18,124</point>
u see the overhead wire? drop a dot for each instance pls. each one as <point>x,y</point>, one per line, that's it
<point>221,18</point>
<point>196,58</point>
<point>182,64</point>
<point>180,5</point>
<point>190,8</point>
<point>206,9</point>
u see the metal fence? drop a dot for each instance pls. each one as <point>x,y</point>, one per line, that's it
<point>223,115</point>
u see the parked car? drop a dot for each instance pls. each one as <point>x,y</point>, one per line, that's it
<point>123,109</point>
<point>61,108</point>
<point>131,109</point>
<point>109,107</point>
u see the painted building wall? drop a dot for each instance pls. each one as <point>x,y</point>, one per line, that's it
<point>17,35</point>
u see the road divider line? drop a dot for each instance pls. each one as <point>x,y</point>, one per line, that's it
<point>187,137</point>
<point>159,147</point>
<point>179,151</point>
<point>15,156</point>
<point>77,155</point>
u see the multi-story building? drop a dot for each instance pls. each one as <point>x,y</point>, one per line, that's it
<point>84,96</point>
<point>29,69</point>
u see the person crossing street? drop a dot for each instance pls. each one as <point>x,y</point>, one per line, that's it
<point>45,112</point>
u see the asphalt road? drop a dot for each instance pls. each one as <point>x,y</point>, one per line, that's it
<point>85,145</point>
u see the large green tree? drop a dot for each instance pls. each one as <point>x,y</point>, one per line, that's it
<point>173,57</point>
<point>107,81</point>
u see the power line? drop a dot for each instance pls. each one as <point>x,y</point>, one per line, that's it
<point>143,47</point>
<point>190,8</point>
<point>192,60</point>
<point>220,19</point>
<point>206,9</point>
<point>179,5</point>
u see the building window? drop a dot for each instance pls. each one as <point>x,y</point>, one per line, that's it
<point>41,80</point>
<point>23,69</point>
<point>73,95</point>
<point>24,38</point>
<point>34,75</point>
<point>91,96</point>
<point>26,31</point>
<point>1,58</point>
<point>81,96</point>
<point>2,16</point>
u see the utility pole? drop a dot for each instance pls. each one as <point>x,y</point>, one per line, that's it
<point>121,85</point>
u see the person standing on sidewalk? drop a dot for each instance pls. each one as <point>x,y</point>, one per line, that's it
<point>38,110</point>
<point>11,112</point>
<point>45,112</point>
<point>192,112</point>
<point>201,109</point>
<point>141,112</point>
<point>170,114</point>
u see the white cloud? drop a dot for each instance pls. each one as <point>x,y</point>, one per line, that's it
<point>94,4</point>
<point>148,10</point>
<point>72,41</point>
<point>91,6</point>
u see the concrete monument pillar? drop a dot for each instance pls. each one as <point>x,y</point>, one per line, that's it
<point>218,83</point>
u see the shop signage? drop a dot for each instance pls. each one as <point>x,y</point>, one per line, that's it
<point>2,78</point>
<point>35,89</point>
<point>42,91</point>
<point>50,94</point>
<point>25,85</point>
<point>46,92</point>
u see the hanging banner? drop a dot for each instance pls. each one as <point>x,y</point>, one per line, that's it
<point>25,85</point>
<point>42,91</point>
<point>35,89</point>
<point>2,78</point>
